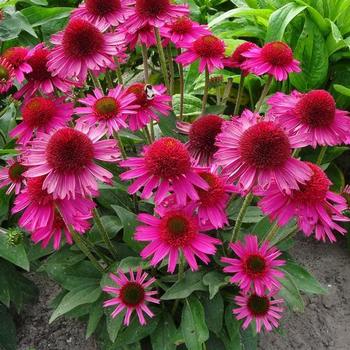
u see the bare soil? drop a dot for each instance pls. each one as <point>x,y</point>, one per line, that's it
<point>325,324</point>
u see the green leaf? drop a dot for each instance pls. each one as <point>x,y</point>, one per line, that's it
<point>17,254</point>
<point>95,315</point>
<point>333,153</point>
<point>336,176</point>
<point>114,325</point>
<point>193,326</point>
<point>280,19</point>
<point>112,225</point>
<point>163,338</point>
<point>192,105</point>
<point>129,222</point>
<point>7,330</point>
<point>214,313</point>
<point>38,16</point>
<point>342,89</point>
<point>214,280</point>
<point>7,123</point>
<point>133,263</point>
<point>312,52</point>
<point>167,125</point>
<point>303,279</point>
<point>240,12</point>
<point>192,281</point>
<point>290,293</point>
<point>190,76</point>
<point>76,297</point>
<point>13,24</point>
<point>252,216</point>
<point>232,326</point>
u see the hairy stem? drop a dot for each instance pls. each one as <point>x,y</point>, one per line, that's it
<point>162,58</point>
<point>239,94</point>
<point>206,90</point>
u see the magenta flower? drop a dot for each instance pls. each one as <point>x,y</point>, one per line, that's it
<point>148,109</point>
<point>109,111</point>
<point>316,208</point>
<point>82,47</point>
<point>237,59</point>
<point>165,166</point>
<point>67,157</point>
<point>208,49</point>
<point>17,57</point>
<point>183,30</point>
<point>40,79</point>
<point>42,214</point>
<point>143,35</point>
<point>104,14</point>
<point>7,75</point>
<point>255,266</point>
<point>12,175</point>
<point>202,135</point>
<point>264,310</point>
<point>275,59</point>
<point>131,294</point>
<point>178,230</point>
<point>42,114</point>
<point>156,13</point>
<point>313,114</point>
<point>259,151</point>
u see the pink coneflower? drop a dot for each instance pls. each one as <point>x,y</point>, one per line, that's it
<point>259,151</point>
<point>165,166</point>
<point>313,114</point>
<point>42,214</point>
<point>104,13</point>
<point>148,109</point>
<point>237,59</point>
<point>131,294</point>
<point>316,208</point>
<point>208,49</point>
<point>264,310</point>
<point>155,13</point>
<point>143,35</point>
<point>82,47</point>
<point>40,78</point>
<point>67,157</point>
<point>202,135</point>
<point>42,114</point>
<point>7,75</point>
<point>178,230</point>
<point>183,30</point>
<point>109,111</point>
<point>255,266</point>
<point>17,57</point>
<point>275,59</point>
<point>12,175</point>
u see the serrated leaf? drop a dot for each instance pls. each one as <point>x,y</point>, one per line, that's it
<point>193,326</point>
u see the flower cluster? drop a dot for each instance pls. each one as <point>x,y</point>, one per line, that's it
<point>69,131</point>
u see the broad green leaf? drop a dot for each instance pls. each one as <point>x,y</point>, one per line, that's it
<point>38,16</point>
<point>167,125</point>
<point>252,216</point>
<point>334,152</point>
<point>303,279</point>
<point>249,338</point>
<point>163,338</point>
<point>214,280</point>
<point>280,19</point>
<point>13,24</point>
<point>190,76</point>
<point>7,330</point>
<point>133,263</point>
<point>232,326</point>
<point>214,313</point>
<point>342,89</point>
<point>312,52</point>
<point>192,281</point>
<point>76,297</point>
<point>5,203</point>
<point>112,225</point>
<point>290,293</point>
<point>240,12</point>
<point>114,325</point>
<point>129,222</point>
<point>15,254</point>
<point>193,326</point>
<point>192,105</point>
<point>336,176</point>
<point>95,315</point>
<point>7,123</point>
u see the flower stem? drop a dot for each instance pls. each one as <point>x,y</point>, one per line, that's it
<point>84,248</point>
<point>119,73</point>
<point>171,69</point>
<point>104,234</point>
<point>206,90</point>
<point>120,144</point>
<point>145,62</point>
<point>227,91</point>
<point>264,93</point>
<point>321,155</point>
<point>182,88</point>
<point>109,80</point>
<point>95,81</point>
<point>148,135</point>
<point>179,278</point>
<point>162,58</point>
<point>239,94</point>
<point>240,217</point>
<point>272,232</point>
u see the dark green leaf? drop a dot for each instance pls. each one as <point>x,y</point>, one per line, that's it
<point>163,338</point>
<point>15,254</point>
<point>38,16</point>
<point>114,325</point>
<point>290,293</point>
<point>95,315</point>
<point>232,329</point>
<point>214,280</point>
<point>214,313</point>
